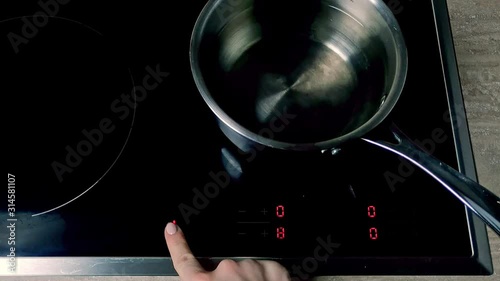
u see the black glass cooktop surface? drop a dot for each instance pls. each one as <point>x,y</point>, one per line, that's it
<point>108,139</point>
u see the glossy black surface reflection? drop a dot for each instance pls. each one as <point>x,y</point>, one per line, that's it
<point>67,79</point>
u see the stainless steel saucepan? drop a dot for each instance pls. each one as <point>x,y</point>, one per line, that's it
<point>337,66</point>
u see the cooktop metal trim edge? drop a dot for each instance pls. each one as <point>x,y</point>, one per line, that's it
<point>478,264</point>
<point>477,228</point>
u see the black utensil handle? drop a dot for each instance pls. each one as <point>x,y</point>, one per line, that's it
<point>484,203</point>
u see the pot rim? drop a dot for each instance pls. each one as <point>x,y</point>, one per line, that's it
<point>390,101</point>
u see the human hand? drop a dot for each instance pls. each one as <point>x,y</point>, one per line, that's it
<point>189,269</point>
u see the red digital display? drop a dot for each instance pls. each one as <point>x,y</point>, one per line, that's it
<point>280,233</point>
<point>373,233</point>
<point>372,211</point>
<point>280,211</point>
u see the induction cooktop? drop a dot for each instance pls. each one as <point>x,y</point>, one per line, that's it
<point>108,140</point>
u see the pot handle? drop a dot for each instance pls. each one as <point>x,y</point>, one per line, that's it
<point>484,203</point>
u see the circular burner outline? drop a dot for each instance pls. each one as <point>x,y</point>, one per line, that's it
<point>129,132</point>
<point>110,167</point>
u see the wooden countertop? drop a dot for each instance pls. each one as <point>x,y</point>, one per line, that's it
<point>476,32</point>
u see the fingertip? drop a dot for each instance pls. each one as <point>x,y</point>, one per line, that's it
<point>183,259</point>
<point>171,228</point>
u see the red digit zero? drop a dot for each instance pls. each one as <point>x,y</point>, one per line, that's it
<point>372,211</point>
<point>280,211</point>
<point>373,233</point>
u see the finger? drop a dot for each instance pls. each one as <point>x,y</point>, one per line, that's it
<point>253,269</point>
<point>274,271</point>
<point>183,259</point>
